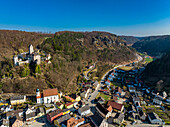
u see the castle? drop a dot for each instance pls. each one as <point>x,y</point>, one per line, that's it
<point>31,56</point>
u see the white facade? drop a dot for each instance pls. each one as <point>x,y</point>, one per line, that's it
<point>157,101</point>
<point>47,99</point>
<point>50,99</point>
<point>15,60</point>
<point>84,113</point>
<point>31,50</point>
<point>155,121</point>
<point>37,58</point>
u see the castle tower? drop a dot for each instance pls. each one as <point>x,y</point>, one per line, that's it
<point>15,60</point>
<point>31,50</point>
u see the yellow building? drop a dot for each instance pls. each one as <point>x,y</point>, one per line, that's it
<point>3,103</point>
<point>66,111</point>
<point>59,120</point>
<point>17,100</point>
<point>69,99</point>
<point>69,105</point>
<point>60,105</point>
<point>75,97</point>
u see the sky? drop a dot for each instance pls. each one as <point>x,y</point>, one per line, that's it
<point>122,17</point>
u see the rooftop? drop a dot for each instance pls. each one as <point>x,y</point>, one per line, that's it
<point>115,105</point>
<point>63,118</point>
<point>54,113</point>
<point>21,97</point>
<point>50,92</point>
<point>72,122</point>
<point>84,108</point>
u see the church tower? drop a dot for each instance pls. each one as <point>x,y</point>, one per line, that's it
<point>31,50</point>
<point>38,96</point>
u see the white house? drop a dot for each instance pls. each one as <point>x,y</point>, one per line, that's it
<point>48,96</point>
<point>84,110</point>
<point>132,89</point>
<point>154,118</point>
<point>157,100</point>
<point>17,100</point>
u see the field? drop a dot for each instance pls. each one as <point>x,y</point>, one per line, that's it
<point>104,96</point>
<point>159,112</point>
<point>148,60</point>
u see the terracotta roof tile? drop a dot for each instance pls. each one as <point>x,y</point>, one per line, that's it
<point>50,92</point>
<point>115,105</point>
<point>67,104</point>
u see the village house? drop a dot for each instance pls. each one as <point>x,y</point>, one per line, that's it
<point>66,111</point>
<point>12,122</point>
<point>69,99</point>
<point>142,115</point>
<point>62,120</point>
<point>85,92</point>
<point>157,101</point>
<point>85,110</point>
<point>17,100</point>
<point>69,105</point>
<point>154,118</point>
<point>72,122</point>
<point>119,118</point>
<point>107,82</point>
<point>86,125</point>
<point>98,120</point>
<point>48,96</point>
<point>101,100</point>
<point>54,114</point>
<point>115,106</point>
<point>75,97</point>
<point>131,116</point>
<point>103,111</point>
<point>136,100</point>
<point>132,89</point>
<point>40,111</point>
<point>59,105</point>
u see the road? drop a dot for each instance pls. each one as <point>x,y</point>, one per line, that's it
<point>86,76</point>
<point>94,94</point>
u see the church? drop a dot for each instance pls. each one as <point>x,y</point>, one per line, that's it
<point>47,96</point>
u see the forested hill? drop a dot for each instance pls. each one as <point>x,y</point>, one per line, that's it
<point>157,73</point>
<point>70,51</point>
<point>153,45</point>
<point>13,42</point>
<point>130,40</point>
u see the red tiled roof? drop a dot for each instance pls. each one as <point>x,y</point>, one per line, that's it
<point>72,122</point>
<point>58,103</point>
<point>108,81</point>
<point>109,108</point>
<point>50,92</point>
<point>69,98</point>
<point>54,113</point>
<point>115,105</point>
<point>115,98</point>
<point>119,90</point>
<point>70,103</point>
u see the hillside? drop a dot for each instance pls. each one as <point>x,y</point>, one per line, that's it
<point>13,42</point>
<point>157,74</point>
<point>130,40</point>
<point>70,51</point>
<point>153,45</point>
